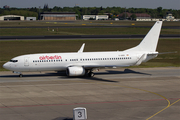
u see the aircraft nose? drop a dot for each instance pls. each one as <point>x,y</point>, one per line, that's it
<point>6,66</point>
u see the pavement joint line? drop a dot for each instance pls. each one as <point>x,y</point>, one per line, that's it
<point>105,102</point>
<point>57,84</point>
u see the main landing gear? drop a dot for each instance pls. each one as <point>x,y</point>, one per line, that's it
<point>89,73</point>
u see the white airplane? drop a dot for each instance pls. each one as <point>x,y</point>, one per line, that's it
<point>83,63</point>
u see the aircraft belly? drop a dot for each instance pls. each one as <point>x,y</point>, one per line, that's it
<point>48,68</point>
<point>42,67</point>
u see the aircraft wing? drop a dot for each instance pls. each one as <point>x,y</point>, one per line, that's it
<point>103,66</point>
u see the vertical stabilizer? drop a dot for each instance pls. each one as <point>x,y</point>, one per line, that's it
<point>150,41</point>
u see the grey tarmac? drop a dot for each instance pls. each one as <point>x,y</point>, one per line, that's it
<point>113,94</point>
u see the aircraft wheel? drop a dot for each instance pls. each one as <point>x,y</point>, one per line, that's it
<point>20,75</point>
<point>91,74</point>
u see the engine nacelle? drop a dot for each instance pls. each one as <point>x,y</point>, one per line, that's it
<point>75,71</point>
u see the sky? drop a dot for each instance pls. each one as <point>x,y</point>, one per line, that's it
<point>165,4</point>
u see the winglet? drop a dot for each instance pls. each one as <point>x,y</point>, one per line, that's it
<point>82,48</point>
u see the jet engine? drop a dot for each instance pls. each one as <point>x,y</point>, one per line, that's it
<point>75,71</point>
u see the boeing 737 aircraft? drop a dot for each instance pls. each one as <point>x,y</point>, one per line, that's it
<point>83,63</point>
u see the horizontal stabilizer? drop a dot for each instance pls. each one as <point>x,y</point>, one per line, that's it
<point>167,52</point>
<point>156,53</point>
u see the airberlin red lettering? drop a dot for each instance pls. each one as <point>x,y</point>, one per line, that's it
<point>50,57</point>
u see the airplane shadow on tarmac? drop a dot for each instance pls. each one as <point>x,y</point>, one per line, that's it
<point>60,118</point>
<point>34,75</point>
<point>63,75</point>
<point>126,71</point>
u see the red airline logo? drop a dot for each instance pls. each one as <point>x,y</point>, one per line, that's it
<point>50,57</point>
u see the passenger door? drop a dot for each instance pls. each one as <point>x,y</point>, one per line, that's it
<point>26,61</point>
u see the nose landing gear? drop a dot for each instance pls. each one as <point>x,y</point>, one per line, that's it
<point>20,75</point>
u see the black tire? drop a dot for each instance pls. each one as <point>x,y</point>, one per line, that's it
<point>91,74</point>
<point>20,75</point>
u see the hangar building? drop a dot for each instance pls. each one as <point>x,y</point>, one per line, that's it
<point>58,16</point>
<point>11,17</point>
<point>95,17</point>
<point>139,16</point>
<point>30,18</point>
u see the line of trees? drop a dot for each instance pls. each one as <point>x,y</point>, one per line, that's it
<point>113,11</point>
<point>14,11</point>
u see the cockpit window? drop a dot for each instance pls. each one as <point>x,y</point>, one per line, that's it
<point>13,61</point>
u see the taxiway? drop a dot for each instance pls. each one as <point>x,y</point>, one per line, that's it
<point>113,94</point>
